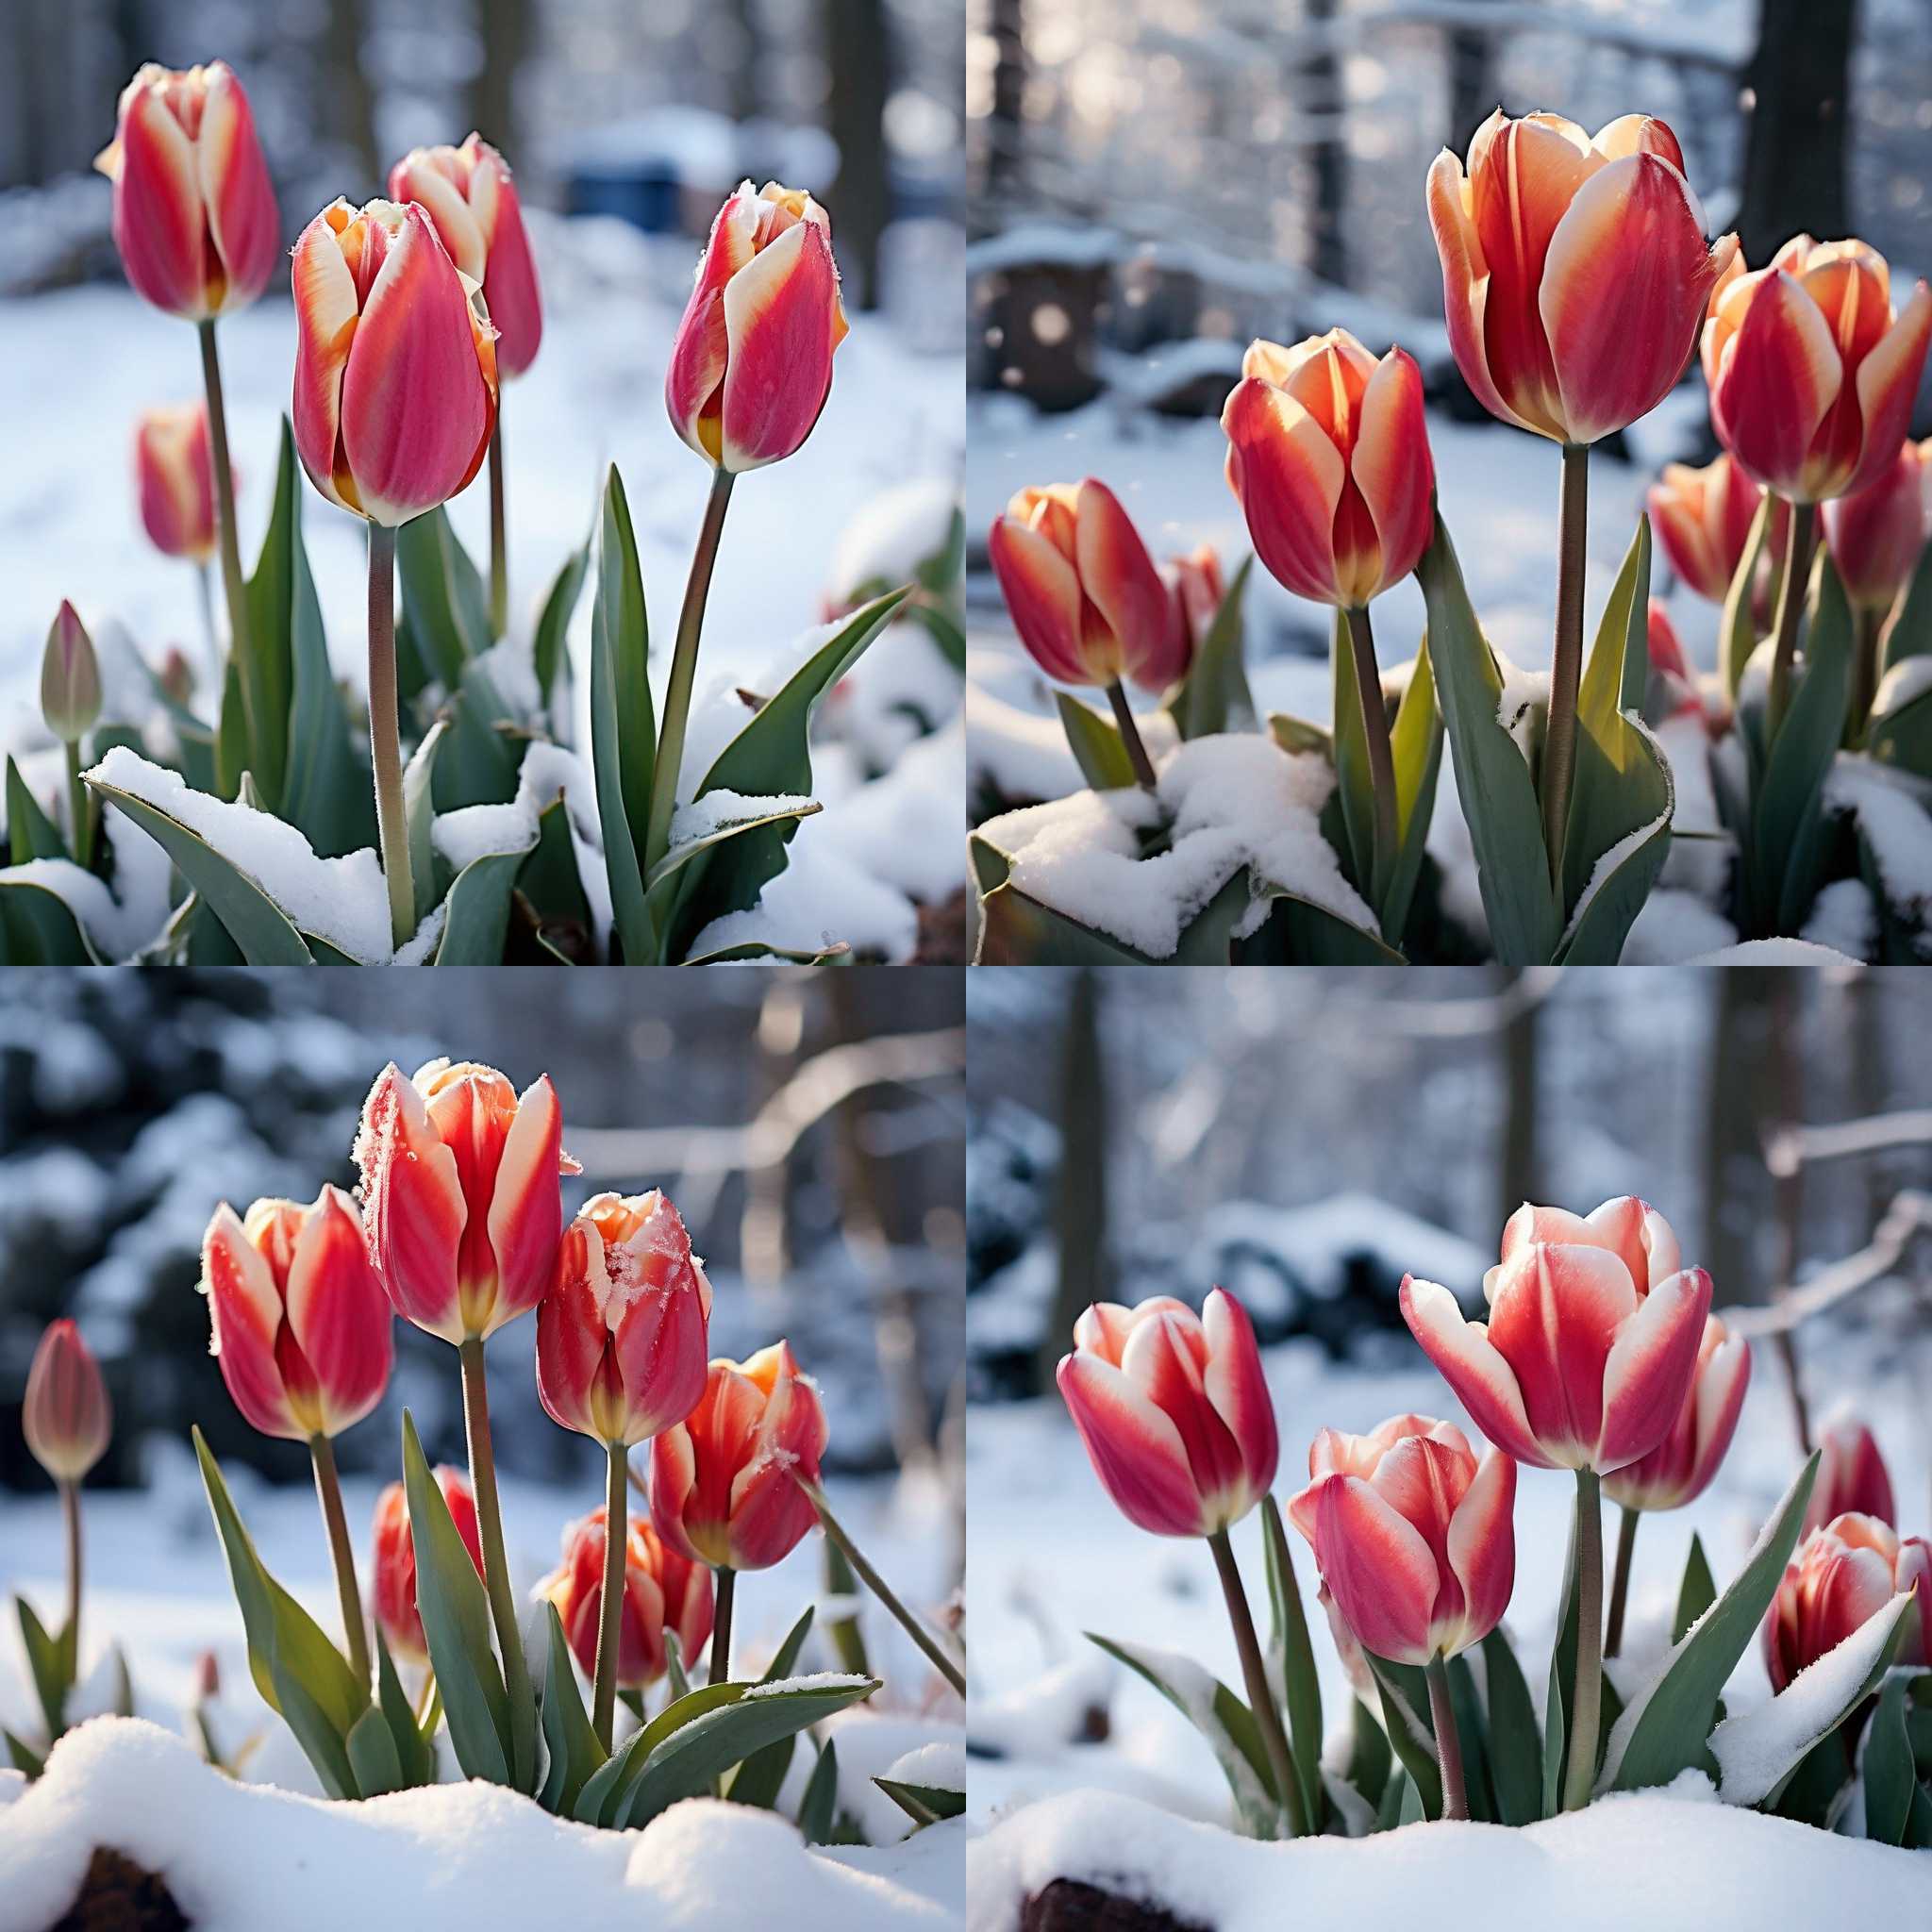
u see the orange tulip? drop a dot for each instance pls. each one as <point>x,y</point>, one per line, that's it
<point>1703,519</point>
<point>1575,271</point>
<point>1812,378</point>
<point>1876,536</point>
<point>1329,457</point>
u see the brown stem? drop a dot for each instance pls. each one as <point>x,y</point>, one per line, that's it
<point>1361,643</point>
<point>1566,663</point>
<point>1130,736</point>
<point>609,1621</point>
<point>233,583</point>
<point>1790,607</point>
<point>1448,1745</point>
<point>503,1605</point>
<point>720,1624</point>
<point>1588,1692</point>
<point>1620,1581</point>
<point>499,558</point>
<point>1261,1692</point>
<point>328,1492</point>
<point>385,733</point>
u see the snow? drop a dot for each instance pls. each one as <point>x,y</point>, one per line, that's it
<point>1675,926</point>
<point>548,770</point>
<point>1892,811</point>
<point>890,536</point>
<point>1774,953</point>
<point>115,926</point>
<point>941,1766</point>
<point>1608,864</point>
<point>1056,245</point>
<point>1844,917</point>
<point>717,810</point>
<point>1910,678</point>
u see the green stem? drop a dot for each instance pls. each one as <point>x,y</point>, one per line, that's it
<point>1448,1745</point>
<point>611,1610</point>
<point>204,585</point>
<point>499,557</point>
<point>1361,643</point>
<point>684,668</point>
<point>1261,1692</point>
<point>503,1605</point>
<point>720,1624</point>
<point>1790,607</point>
<point>81,809</point>
<point>1566,662</point>
<point>233,584</point>
<point>70,1516</point>
<point>1588,1692</point>
<point>1869,619</point>
<point>328,1490</point>
<point>1130,736</point>
<point>385,733</point>
<point>928,1646</point>
<point>1620,1581</point>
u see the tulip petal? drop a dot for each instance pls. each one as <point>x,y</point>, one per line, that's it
<point>1776,376</point>
<point>245,1314</point>
<point>525,1217</point>
<point>510,288</point>
<point>1637,1235</point>
<point>1482,1547</point>
<point>1378,1569</point>
<point>1393,467</point>
<point>1042,593</point>
<point>571,1330</point>
<point>337,1309</point>
<point>412,1206</point>
<point>1166,1359</point>
<point>1119,580</point>
<point>1135,1448</point>
<point>418,178</point>
<point>700,351</point>
<point>160,226</point>
<point>1557,1313</point>
<point>674,1471</point>
<point>1289,480</point>
<point>245,223</point>
<point>1465,283</point>
<point>328,313</point>
<point>1238,1388</point>
<point>779,315</point>
<point>1648,1372</point>
<point>1888,387</point>
<point>1470,1363</point>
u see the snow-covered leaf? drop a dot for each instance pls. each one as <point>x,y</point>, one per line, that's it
<point>923,1804</point>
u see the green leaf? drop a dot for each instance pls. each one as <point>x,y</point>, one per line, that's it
<point>1515,1746</point>
<point>477,919</point>
<point>817,1808</point>
<point>30,1761</point>
<point>264,671</point>
<point>30,833</point>
<point>1292,1660</point>
<point>1910,635</point>
<point>445,602</point>
<point>755,819</point>
<point>1354,785</point>
<point>1492,777</point>
<point>674,1667</point>
<point>46,1660</point>
<point>606,1791</point>
<point>1405,1718</point>
<point>547,652</point>
<point>1096,743</point>
<point>373,1754</point>
<point>1902,735</point>
<point>572,1743</point>
<point>479,763</point>
<point>456,1624</point>
<point>1738,630</point>
<point>621,606</point>
<point>38,927</point>
<point>943,628</point>
<point>923,1804</point>
<point>1417,743</point>
<point>1560,1697</point>
<point>1300,932</point>
<point>1663,1729</point>
<point>1697,1591</point>
<point>1368,1755</point>
<point>1214,696</point>
<point>1473,1730</point>
<point>622,750</point>
<point>415,1755</point>
<point>419,815</point>
<point>1297,734</point>
<point>762,1776</point>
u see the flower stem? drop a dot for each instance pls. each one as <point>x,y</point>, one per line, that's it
<point>1130,736</point>
<point>1261,1692</point>
<point>1620,1581</point>
<point>1448,1745</point>
<point>233,584</point>
<point>1588,1692</point>
<point>499,557</point>
<point>1790,605</point>
<point>1869,621</point>
<point>928,1646</point>
<point>70,1516</point>
<point>385,733</point>
<point>720,1624</point>
<point>1566,663</point>
<point>328,1490</point>
<point>1361,643</point>
<point>80,809</point>
<point>684,666</point>
<point>603,1706</point>
<point>503,1605</point>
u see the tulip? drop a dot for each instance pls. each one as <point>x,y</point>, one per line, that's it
<point>664,1594</point>
<point>71,704</point>
<point>1852,1478</point>
<point>471,197</point>
<point>1086,598</point>
<point>174,476</point>
<point>1842,1575</point>
<point>1876,537</point>
<point>1590,1350</point>
<point>1194,591</point>
<point>396,1613</point>
<point>1703,519</point>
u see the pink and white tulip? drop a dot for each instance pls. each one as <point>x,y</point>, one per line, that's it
<point>1842,1576</point>
<point>1680,1468</point>
<point>174,478</point>
<point>66,1415</point>
<point>1852,1478</point>
<point>1702,519</point>
<point>396,1612</point>
<point>1877,534</point>
<point>664,1594</point>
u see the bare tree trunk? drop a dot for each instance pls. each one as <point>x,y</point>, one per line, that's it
<point>1799,83</point>
<point>1472,93</point>
<point>505,25</point>
<point>1787,1108</point>
<point>1079,1215</point>
<point>764,1239</point>
<point>1004,139</point>
<point>856,52</point>
<point>1322,96</point>
<point>351,98</point>
<point>1739,1099</point>
<point>1518,1176</point>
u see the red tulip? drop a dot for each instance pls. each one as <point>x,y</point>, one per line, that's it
<point>459,1192</point>
<point>470,195</point>
<point>1194,591</point>
<point>1413,1537</point>
<point>396,1613</point>
<point>722,1481</point>
<point>1082,591</point>
<point>1328,454</point>
<point>1575,271</point>
<point>1842,1575</point>
<point>1877,534</point>
<point>663,1591</point>
<point>66,1415</point>
<point>395,371</point>
<point>301,1330</point>
<point>1174,1412</point>
<point>195,213</point>
<point>621,1336</point>
<point>1812,379</point>
<point>1852,1478</point>
<point>1703,519</point>
<point>1680,1468</point>
<point>174,475</point>
<point>752,365</point>
<point>1592,1342</point>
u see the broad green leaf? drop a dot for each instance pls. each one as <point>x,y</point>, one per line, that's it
<point>547,652</point>
<point>817,1808</point>
<point>1417,742</point>
<point>1697,1591</point>
<point>46,1662</point>
<point>1738,630</point>
<point>1299,932</point>
<point>622,751</point>
<point>419,815</point>
<point>415,1755</point>
<point>30,833</point>
<point>263,672</point>
<point>1405,1718</point>
<point>1096,744</point>
<point>30,1761</point>
<point>1214,696</point>
<point>836,955</point>
<point>38,927</point>
<point>1297,734</point>
<point>658,884</point>
<point>923,1804</point>
<point>549,879</point>
<point>1472,1732</point>
<point>1292,1660</point>
<point>762,1776</point>
<point>1624,874</point>
<point>572,1743</point>
<point>606,1792</point>
<point>445,605</point>
<point>373,1754</point>
<point>1891,1775</point>
<point>1560,1697</point>
<point>477,915</point>
<point>1368,1755</point>
<point>1910,635</point>
<point>943,628</point>
<point>1515,1748</point>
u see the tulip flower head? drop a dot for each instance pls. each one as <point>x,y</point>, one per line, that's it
<point>174,476</point>
<point>1813,377</point>
<point>1574,269</point>
<point>471,197</point>
<point>395,367</point>
<point>1877,534</point>
<point>1413,1535</point>
<point>194,212</point>
<point>1329,458</point>
<point>1082,591</point>
<point>1592,1337</point>
<point>1852,1478</point>
<point>1703,519</point>
<point>752,365</point>
<point>1842,1575</point>
<point>724,1481</point>
<point>621,1352</point>
<point>1680,1468</point>
<point>69,677</point>
<point>66,1415</point>
<point>396,1613</point>
<point>1194,590</point>
<point>664,1592</point>
<point>300,1328</point>
<point>1174,1412</point>
<point>460,1194</point>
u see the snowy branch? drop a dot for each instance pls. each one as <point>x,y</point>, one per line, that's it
<point>1909,1215</point>
<point>1791,1148</point>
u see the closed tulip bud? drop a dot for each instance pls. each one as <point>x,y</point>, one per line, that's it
<point>194,212</point>
<point>724,1481</point>
<point>1413,1535</point>
<point>1082,591</point>
<point>471,197</point>
<point>396,1613</point>
<point>395,369</point>
<point>66,1414</point>
<point>301,1330</point>
<point>664,1592</point>
<point>1174,1412</point>
<point>1812,378</point>
<point>620,1337</point>
<point>1877,534</point>
<point>1842,1575</point>
<point>1852,1478</point>
<point>177,675</point>
<point>1680,1468</point>
<point>1194,591</point>
<point>70,678</point>
<point>1592,1340</point>
<point>752,365</point>
<point>1703,519</point>
<point>460,1194</point>
<point>1329,457</point>
<point>174,476</point>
